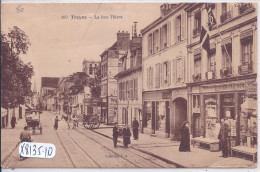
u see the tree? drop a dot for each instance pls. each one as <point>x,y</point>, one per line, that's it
<point>15,74</point>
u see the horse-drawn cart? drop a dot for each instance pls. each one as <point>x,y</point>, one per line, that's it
<point>33,119</point>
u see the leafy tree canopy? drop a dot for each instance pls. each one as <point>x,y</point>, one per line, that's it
<point>15,74</point>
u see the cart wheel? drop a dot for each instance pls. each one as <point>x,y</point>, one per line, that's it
<point>85,125</point>
<point>91,126</point>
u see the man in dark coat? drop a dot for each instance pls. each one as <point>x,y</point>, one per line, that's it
<point>115,135</point>
<point>135,129</point>
<point>126,136</point>
<point>56,123</point>
<point>223,138</point>
<point>13,121</point>
<point>185,138</point>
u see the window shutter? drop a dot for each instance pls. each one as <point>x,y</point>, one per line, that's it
<point>169,72</point>
<point>174,33</point>
<point>151,77</point>
<point>161,39</point>
<point>147,77</point>
<point>136,89</point>
<point>183,25</point>
<point>157,75</point>
<point>168,37</point>
<point>182,69</point>
<point>174,77</point>
<point>161,74</point>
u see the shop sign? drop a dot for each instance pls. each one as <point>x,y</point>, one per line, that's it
<point>230,86</point>
<point>166,95</point>
<point>233,127</point>
<point>208,88</point>
<point>210,100</point>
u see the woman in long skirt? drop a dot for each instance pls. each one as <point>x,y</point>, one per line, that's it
<point>185,137</point>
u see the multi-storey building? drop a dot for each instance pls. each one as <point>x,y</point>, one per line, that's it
<point>90,67</point>
<point>109,68</point>
<point>48,86</point>
<point>164,73</point>
<point>222,81</point>
<point>129,81</point>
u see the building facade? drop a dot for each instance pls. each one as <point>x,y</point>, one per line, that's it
<point>129,81</point>
<point>109,68</point>
<point>164,72</point>
<point>90,67</point>
<point>222,82</point>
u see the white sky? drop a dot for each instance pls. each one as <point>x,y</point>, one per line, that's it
<point>60,45</point>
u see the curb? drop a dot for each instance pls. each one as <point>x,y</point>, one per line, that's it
<point>147,152</point>
<point>9,154</point>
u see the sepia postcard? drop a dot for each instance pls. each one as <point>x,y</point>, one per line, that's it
<point>129,85</point>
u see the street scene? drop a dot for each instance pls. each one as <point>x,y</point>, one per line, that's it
<point>115,86</point>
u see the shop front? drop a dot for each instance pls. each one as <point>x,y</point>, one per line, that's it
<point>211,103</point>
<point>156,113</point>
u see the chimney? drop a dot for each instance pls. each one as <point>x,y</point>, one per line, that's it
<point>123,40</point>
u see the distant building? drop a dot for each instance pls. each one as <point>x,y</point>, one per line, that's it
<point>109,68</point>
<point>129,81</point>
<point>48,86</point>
<point>90,67</point>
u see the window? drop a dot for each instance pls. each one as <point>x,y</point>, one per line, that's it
<point>197,67</point>
<point>211,60</point>
<point>227,55</point>
<point>136,88</point>
<point>180,69</point>
<point>226,12</point>
<point>123,90</point>
<point>178,28</point>
<point>166,73</point>
<point>157,75</point>
<point>247,51</point>
<point>163,37</point>
<point>150,51</point>
<point>155,41</point>
<point>197,24</point>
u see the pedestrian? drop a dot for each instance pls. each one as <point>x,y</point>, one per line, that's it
<point>223,138</point>
<point>56,123</point>
<point>115,135</point>
<point>25,136</point>
<point>185,137</point>
<point>135,129</point>
<point>75,121</point>
<point>126,136</point>
<point>13,121</point>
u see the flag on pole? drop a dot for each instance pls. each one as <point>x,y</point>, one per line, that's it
<point>204,39</point>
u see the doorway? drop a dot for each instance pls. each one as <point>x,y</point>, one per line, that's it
<point>179,116</point>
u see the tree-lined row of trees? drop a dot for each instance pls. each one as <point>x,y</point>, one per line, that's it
<point>15,74</point>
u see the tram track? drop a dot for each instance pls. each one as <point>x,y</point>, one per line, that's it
<point>147,158</point>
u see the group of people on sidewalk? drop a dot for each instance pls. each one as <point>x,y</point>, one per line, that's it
<point>126,133</point>
<point>223,137</point>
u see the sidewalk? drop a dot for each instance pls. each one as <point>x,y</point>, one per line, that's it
<point>168,150</point>
<point>11,137</point>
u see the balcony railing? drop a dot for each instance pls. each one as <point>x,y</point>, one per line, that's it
<point>196,31</point>
<point>225,16</point>
<point>244,7</point>
<point>245,69</point>
<point>197,77</point>
<point>226,72</point>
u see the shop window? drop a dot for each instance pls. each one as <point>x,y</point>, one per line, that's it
<point>227,106</point>
<point>197,24</point>
<point>212,122</point>
<point>160,122</point>
<point>156,41</point>
<point>147,119</point>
